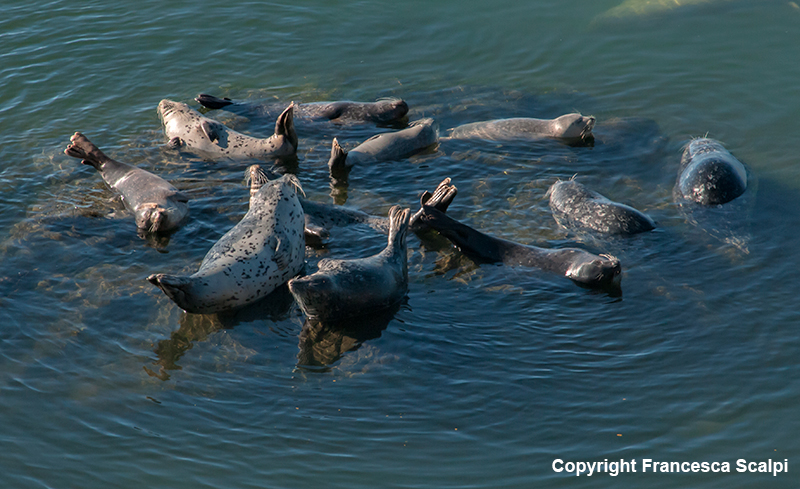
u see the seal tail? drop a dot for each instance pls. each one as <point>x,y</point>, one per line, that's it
<point>176,288</point>
<point>398,229</point>
<point>81,147</point>
<point>212,102</point>
<point>284,125</point>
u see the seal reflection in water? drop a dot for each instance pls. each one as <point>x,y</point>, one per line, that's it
<point>575,206</point>
<point>582,267</point>
<point>570,127</point>
<point>157,205</point>
<point>384,111</point>
<point>349,288</point>
<point>263,251</point>
<point>189,130</point>
<point>709,174</point>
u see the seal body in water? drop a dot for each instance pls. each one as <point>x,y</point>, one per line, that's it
<point>156,204</point>
<point>189,130</point>
<point>262,252</point>
<point>383,112</point>
<point>347,288</point>
<point>582,267</point>
<point>575,206</point>
<point>709,174</point>
<point>396,145</point>
<point>569,127</point>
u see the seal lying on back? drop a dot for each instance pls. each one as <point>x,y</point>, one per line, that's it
<point>575,206</point>
<point>582,267</point>
<point>264,250</point>
<point>188,129</point>
<point>346,288</point>
<point>384,111</point>
<point>570,127</point>
<point>709,174</point>
<point>157,205</point>
<point>384,147</point>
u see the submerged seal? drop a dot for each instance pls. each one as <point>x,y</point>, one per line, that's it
<point>264,250</point>
<point>384,111</point>
<point>575,206</point>
<point>346,288</point>
<point>582,267</point>
<point>570,127</point>
<point>188,129</point>
<point>396,145</point>
<point>709,174</point>
<point>157,205</point>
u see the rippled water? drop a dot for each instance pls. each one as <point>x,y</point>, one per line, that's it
<point>487,373</point>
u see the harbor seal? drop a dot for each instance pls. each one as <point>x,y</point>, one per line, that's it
<point>189,130</point>
<point>575,206</point>
<point>580,266</point>
<point>709,174</point>
<point>346,288</point>
<point>264,250</point>
<point>396,145</point>
<point>156,204</point>
<point>570,127</point>
<point>387,111</point>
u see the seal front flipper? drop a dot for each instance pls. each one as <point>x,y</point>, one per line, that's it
<point>212,102</point>
<point>210,130</point>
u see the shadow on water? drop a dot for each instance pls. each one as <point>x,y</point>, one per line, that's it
<point>323,343</point>
<point>198,327</point>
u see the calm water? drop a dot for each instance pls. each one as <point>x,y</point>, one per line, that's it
<point>488,373</point>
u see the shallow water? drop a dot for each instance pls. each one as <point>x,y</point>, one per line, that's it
<point>486,374</point>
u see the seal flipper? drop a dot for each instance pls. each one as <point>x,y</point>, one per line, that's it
<point>176,288</point>
<point>284,125</point>
<point>212,102</point>
<point>440,199</point>
<point>210,130</point>
<point>337,164</point>
<point>81,147</point>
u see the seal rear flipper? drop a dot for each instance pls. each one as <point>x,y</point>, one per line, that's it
<point>440,199</point>
<point>398,227</point>
<point>284,125</point>
<point>212,102</point>
<point>337,164</point>
<point>176,288</point>
<point>81,147</point>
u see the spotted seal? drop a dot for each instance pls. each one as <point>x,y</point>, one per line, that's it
<point>569,127</point>
<point>189,130</point>
<point>383,112</point>
<point>575,206</point>
<point>419,135</point>
<point>264,250</point>
<point>708,174</point>
<point>156,204</point>
<point>345,288</point>
<point>582,267</point>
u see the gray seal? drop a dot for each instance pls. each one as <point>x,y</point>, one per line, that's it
<point>709,174</point>
<point>262,252</point>
<point>575,206</point>
<point>156,204</point>
<point>348,288</point>
<point>580,266</point>
<point>383,112</point>
<point>387,146</point>
<point>569,127</point>
<point>189,130</point>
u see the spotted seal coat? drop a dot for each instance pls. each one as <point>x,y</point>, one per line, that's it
<point>575,206</point>
<point>569,127</point>
<point>156,204</point>
<point>582,267</point>
<point>262,252</point>
<point>189,130</point>
<point>346,288</point>
<point>383,112</point>
<point>709,174</point>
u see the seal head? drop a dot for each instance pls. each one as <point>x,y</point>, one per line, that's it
<point>709,174</point>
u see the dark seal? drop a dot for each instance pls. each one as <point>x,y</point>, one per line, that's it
<point>709,174</point>
<point>575,206</point>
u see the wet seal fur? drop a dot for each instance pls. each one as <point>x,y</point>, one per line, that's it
<point>569,127</point>
<point>709,174</point>
<point>189,130</point>
<point>580,266</point>
<point>156,204</point>
<point>383,111</point>
<point>575,206</point>
<point>419,135</point>
<point>262,252</point>
<point>347,288</point>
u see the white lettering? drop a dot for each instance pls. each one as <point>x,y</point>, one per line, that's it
<point>560,464</point>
